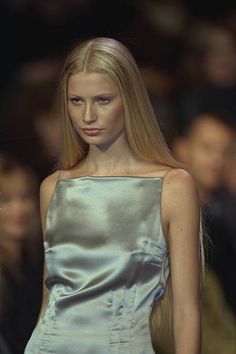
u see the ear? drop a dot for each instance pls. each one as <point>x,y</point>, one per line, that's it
<point>180,149</point>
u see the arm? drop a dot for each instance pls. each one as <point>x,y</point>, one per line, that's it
<point>46,190</point>
<point>181,209</point>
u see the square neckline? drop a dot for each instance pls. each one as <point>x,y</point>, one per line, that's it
<point>108,177</point>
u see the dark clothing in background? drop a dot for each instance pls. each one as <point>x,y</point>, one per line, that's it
<point>220,222</point>
<point>3,346</point>
<point>22,306</point>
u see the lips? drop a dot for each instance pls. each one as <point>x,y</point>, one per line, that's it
<point>92,131</point>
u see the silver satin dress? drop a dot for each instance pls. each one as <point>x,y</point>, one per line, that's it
<point>107,263</point>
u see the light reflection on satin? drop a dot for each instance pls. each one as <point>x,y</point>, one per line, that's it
<point>107,261</point>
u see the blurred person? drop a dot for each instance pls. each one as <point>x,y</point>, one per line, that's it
<point>108,256</point>
<point>207,72</point>
<point>218,320</point>
<point>205,149</point>
<point>20,253</point>
<point>230,171</point>
<point>28,117</point>
<point>224,216</point>
<point>44,120</point>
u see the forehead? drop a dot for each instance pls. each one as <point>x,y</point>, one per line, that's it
<point>91,82</point>
<point>212,130</point>
<point>15,181</point>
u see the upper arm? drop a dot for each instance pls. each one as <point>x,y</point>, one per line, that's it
<point>182,214</point>
<point>47,187</point>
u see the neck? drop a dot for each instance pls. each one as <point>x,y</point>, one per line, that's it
<point>112,160</point>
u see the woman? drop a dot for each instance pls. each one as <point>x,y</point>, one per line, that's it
<point>20,253</point>
<point>113,216</point>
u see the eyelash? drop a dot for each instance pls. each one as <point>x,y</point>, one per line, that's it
<point>102,100</point>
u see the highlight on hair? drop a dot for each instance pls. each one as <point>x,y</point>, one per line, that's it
<point>145,139</point>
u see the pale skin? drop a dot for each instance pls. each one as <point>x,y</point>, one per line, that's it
<point>95,101</point>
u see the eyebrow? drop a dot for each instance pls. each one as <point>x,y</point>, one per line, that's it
<point>99,95</point>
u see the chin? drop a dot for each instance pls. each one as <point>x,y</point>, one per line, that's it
<point>93,141</point>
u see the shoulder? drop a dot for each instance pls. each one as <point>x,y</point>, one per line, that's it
<point>47,185</point>
<point>180,180</point>
<point>180,192</point>
<point>49,181</point>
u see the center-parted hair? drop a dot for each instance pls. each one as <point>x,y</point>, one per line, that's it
<point>109,56</point>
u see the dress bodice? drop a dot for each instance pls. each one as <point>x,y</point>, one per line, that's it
<point>107,262</point>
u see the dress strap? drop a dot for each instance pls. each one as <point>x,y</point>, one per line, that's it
<point>167,172</point>
<point>58,175</point>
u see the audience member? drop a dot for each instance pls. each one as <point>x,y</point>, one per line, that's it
<point>205,149</point>
<point>21,256</point>
<point>30,124</point>
<point>207,73</point>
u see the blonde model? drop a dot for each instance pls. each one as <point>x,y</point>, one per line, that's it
<point>120,218</point>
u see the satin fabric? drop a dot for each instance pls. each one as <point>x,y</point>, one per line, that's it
<point>107,262</point>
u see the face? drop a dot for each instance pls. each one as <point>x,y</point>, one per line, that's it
<point>96,109</point>
<point>18,206</point>
<point>207,151</point>
<point>48,131</point>
<point>220,59</point>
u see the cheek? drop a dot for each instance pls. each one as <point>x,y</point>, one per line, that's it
<point>29,208</point>
<point>118,116</point>
<point>6,215</point>
<point>74,114</point>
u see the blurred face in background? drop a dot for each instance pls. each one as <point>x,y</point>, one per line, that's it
<point>206,150</point>
<point>47,128</point>
<point>18,205</point>
<point>230,170</point>
<point>220,58</point>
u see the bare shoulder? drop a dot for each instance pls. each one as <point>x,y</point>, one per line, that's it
<point>48,183</point>
<point>180,192</point>
<point>180,180</point>
<point>47,187</point>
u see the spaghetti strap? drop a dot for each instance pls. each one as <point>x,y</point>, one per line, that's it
<point>58,175</point>
<point>167,172</point>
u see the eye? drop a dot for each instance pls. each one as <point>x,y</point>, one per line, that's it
<point>103,100</point>
<point>75,100</point>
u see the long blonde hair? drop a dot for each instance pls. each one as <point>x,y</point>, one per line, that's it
<point>109,56</point>
<point>106,55</point>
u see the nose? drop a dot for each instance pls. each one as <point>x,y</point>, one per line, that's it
<point>89,113</point>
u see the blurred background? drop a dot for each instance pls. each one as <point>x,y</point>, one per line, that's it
<point>186,51</point>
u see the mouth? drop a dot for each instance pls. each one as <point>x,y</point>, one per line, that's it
<point>92,131</point>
